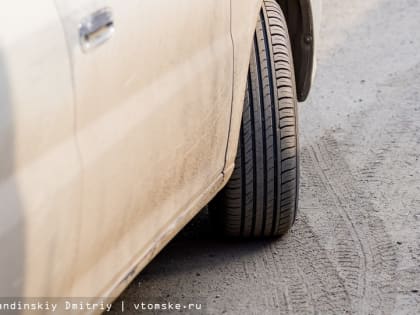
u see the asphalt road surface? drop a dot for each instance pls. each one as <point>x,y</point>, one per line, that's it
<point>355,247</point>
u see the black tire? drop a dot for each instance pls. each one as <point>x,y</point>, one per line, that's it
<point>261,198</point>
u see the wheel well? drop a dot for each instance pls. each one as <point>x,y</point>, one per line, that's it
<point>299,18</point>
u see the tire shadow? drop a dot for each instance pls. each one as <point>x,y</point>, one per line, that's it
<point>190,260</point>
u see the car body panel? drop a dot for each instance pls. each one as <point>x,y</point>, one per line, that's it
<point>153,114</point>
<point>107,153</point>
<point>39,166</point>
<point>244,19</point>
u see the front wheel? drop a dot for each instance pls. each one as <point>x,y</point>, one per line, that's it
<point>261,198</point>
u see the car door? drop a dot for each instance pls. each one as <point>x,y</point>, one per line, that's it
<point>40,169</point>
<point>153,84</point>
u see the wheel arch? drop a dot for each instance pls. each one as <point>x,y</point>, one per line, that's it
<point>300,21</point>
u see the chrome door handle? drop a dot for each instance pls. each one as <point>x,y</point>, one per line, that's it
<point>96,29</point>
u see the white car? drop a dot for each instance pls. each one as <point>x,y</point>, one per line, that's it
<point>120,120</point>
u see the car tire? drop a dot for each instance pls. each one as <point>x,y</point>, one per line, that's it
<point>261,197</point>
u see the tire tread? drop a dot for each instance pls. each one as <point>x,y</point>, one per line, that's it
<point>260,200</point>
